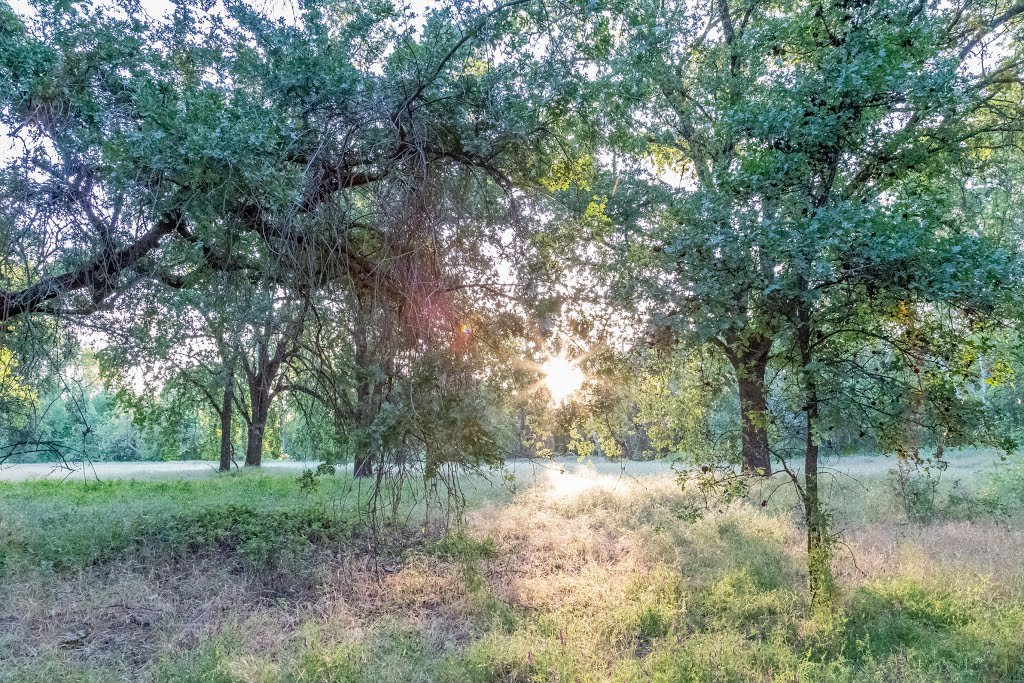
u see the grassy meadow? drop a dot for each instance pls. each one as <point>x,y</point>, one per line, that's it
<point>580,572</point>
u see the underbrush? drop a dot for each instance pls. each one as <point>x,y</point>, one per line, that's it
<point>922,497</point>
<point>1007,485</point>
<point>565,583</point>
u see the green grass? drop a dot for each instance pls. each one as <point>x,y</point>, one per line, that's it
<point>619,583</point>
<point>72,525</point>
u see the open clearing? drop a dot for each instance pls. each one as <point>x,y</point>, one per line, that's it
<point>94,471</point>
<point>586,571</point>
<point>969,465</point>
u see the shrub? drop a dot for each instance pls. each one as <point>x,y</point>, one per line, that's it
<point>918,491</point>
<point>256,536</point>
<point>61,527</point>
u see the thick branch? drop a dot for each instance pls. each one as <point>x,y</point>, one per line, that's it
<point>95,275</point>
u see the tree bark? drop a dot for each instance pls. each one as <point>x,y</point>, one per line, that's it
<point>363,466</point>
<point>819,568</point>
<point>259,396</point>
<point>362,463</point>
<point>264,380</point>
<point>750,364</point>
<point>913,414</point>
<point>225,426</point>
<point>524,446</point>
<point>97,275</point>
<point>753,421</point>
<point>366,390</point>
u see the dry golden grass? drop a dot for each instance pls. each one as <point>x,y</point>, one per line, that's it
<point>965,551</point>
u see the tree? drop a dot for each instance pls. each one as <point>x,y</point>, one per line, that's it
<point>272,335</point>
<point>812,141</point>
<point>82,94</point>
<point>317,143</point>
<point>773,119</point>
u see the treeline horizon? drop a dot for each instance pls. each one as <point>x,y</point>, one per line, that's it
<point>91,419</point>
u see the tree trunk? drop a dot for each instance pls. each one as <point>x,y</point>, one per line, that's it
<point>260,398</point>
<point>523,446</point>
<point>372,390</point>
<point>754,421</point>
<point>819,560</point>
<point>914,415</point>
<point>750,363</point>
<point>363,466</point>
<point>263,375</point>
<point>225,427</point>
<point>818,550</point>
<point>362,463</point>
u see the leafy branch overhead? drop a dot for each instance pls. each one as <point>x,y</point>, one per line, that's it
<point>299,145</point>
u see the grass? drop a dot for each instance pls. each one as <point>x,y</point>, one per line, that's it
<point>593,574</point>
<point>60,527</point>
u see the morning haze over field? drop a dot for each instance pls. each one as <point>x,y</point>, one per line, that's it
<point>633,341</point>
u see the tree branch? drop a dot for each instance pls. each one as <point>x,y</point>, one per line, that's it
<point>95,275</point>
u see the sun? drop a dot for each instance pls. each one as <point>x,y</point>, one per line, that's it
<point>561,377</point>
